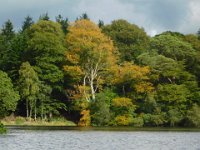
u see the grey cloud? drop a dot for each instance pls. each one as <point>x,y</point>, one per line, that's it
<point>154,15</point>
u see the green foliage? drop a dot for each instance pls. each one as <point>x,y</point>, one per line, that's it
<point>27,23</point>
<point>2,129</point>
<point>47,51</point>
<point>8,96</point>
<point>193,116</point>
<point>44,100</point>
<point>121,78</point>
<point>101,24</point>
<point>123,110</point>
<point>130,40</point>
<point>195,42</point>
<point>7,31</point>
<point>173,47</point>
<point>198,33</point>
<point>164,69</point>
<point>44,16</point>
<point>174,117</point>
<point>100,109</point>
<point>172,96</point>
<point>157,118</point>
<point>28,86</point>
<point>63,22</point>
<point>83,16</point>
<point>6,36</point>
<point>138,122</point>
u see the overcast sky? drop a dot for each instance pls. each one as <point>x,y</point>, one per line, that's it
<point>154,16</point>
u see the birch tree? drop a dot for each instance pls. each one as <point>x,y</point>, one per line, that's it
<point>90,54</point>
<point>29,88</point>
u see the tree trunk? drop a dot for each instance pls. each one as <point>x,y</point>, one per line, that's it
<point>42,115</point>
<point>92,86</point>
<point>27,110</point>
<point>30,113</point>
<point>35,113</point>
<point>123,89</point>
<point>84,84</point>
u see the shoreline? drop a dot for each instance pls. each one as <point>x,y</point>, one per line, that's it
<point>107,128</point>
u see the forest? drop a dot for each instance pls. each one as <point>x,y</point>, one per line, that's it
<point>99,74</point>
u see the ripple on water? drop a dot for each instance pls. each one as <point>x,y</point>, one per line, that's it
<point>98,140</point>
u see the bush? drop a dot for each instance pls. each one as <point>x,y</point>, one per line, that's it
<point>123,120</point>
<point>147,119</point>
<point>122,105</point>
<point>85,119</point>
<point>138,122</point>
<point>2,129</point>
<point>100,109</point>
<point>174,117</point>
<point>193,116</point>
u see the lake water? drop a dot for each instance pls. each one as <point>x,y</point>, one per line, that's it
<point>77,139</point>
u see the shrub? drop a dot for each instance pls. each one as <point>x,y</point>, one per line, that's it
<point>123,120</point>
<point>193,116</point>
<point>85,119</point>
<point>100,108</point>
<point>2,129</point>
<point>122,105</point>
<point>138,122</point>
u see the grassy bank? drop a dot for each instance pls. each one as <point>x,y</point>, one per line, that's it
<point>27,122</point>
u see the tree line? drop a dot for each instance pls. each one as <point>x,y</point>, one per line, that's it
<point>99,75</point>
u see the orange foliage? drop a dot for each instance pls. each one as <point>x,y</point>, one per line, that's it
<point>89,55</point>
<point>129,71</point>
<point>85,119</point>
<point>135,75</point>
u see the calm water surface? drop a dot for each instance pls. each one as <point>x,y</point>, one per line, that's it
<point>21,139</point>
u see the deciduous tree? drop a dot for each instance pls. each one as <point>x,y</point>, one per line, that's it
<point>28,87</point>
<point>8,95</point>
<point>89,55</point>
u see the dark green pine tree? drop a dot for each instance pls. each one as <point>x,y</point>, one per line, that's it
<point>27,23</point>
<point>6,37</point>
<point>8,31</point>
<point>83,16</point>
<point>44,17</point>
<point>101,23</point>
<point>63,22</point>
<point>198,34</point>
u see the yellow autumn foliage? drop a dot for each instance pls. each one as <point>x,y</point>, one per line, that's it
<point>123,120</point>
<point>128,71</point>
<point>85,119</point>
<point>133,74</point>
<point>122,102</point>
<point>73,71</point>
<point>89,55</point>
<point>144,87</point>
